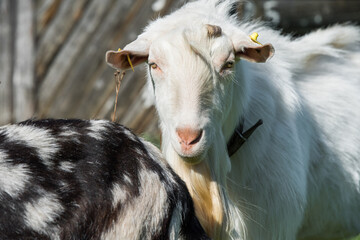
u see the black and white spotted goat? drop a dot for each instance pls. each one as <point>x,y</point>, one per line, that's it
<point>76,179</point>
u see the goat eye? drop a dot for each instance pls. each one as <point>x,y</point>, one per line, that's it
<point>228,65</point>
<point>153,65</point>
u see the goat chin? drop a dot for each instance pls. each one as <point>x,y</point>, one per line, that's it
<point>192,160</point>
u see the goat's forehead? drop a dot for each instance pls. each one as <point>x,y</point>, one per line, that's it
<point>167,45</point>
<point>167,52</point>
<point>188,44</point>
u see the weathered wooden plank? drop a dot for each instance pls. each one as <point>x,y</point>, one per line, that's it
<point>23,78</point>
<point>5,63</point>
<point>130,103</point>
<point>133,82</point>
<point>45,11</point>
<point>87,63</point>
<point>103,43</point>
<point>51,40</point>
<point>66,58</point>
<point>139,113</point>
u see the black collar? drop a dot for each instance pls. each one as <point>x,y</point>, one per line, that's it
<point>239,137</point>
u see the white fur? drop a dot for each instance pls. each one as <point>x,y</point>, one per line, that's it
<point>130,135</point>
<point>127,179</point>
<point>97,128</point>
<point>298,175</point>
<point>13,178</point>
<point>176,220</point>
<point>67,166</point>
<point>43,211</point>
<point>120,194</point>
<point>130,226</point>
<point>28,135</point>
<point>71,134</point>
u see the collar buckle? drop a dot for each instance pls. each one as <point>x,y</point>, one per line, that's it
<point>239,137</point>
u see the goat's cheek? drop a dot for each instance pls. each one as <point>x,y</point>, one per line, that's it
<point>223,98</point>
<point>164,104</point>
<point>157,75</point>
<point>227,101</point>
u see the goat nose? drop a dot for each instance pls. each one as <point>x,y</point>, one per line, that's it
<point>189,136</point>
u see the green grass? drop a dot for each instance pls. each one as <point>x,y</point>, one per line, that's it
<point>355,238</point>
<point>151,138</point>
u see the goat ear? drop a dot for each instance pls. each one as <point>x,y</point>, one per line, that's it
<point>137,51</point>
<point>119,60</point>
<point>256,53</point>
<point>251,51</point>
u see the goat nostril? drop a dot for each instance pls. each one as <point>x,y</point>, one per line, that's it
<point>189,136</point>
<point>197,139</point>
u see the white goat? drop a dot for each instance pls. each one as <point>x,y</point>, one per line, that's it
<point>298,176</point>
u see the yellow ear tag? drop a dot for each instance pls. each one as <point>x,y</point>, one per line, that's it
<point>128,58</point>
<point>254,37</point>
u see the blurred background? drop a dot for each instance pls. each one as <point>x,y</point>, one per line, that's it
<point>52,53</point>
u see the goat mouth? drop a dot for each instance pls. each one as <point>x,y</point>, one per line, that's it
<point>192,155</point>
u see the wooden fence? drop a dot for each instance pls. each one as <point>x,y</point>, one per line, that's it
<point>52,53</point>
<point>52,59</point>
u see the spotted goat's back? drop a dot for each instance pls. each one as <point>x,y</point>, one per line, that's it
<point>76,179</point>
